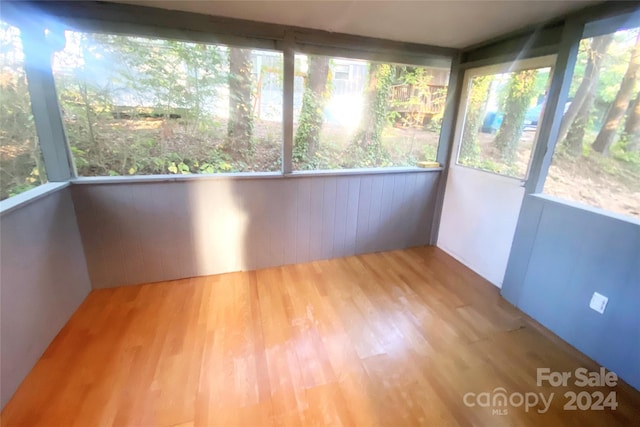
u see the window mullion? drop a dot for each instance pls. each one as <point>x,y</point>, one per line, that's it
<point>45,107</point>
<point>287,105</point>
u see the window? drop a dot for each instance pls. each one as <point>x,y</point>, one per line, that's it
<point>21,165</point>
<point>597,156</point>
<point>351,113</point>
<point>502,114</point>
<point>139,106</point>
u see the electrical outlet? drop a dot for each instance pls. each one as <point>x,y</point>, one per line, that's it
<point>598,302</point>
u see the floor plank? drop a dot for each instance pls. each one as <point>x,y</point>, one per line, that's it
<point>394,338</point>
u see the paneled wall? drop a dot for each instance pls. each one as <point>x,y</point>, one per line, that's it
<point>43,280</point>
<point>561,255</point>
<point>153,231</point>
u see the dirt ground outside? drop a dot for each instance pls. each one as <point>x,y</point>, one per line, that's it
<point>592,179</point>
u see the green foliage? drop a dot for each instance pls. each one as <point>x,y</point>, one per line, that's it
<point>131,104</point>
<point>366,147</point>
<point>615,64</point>
<point>620,151</point>
<point>418,80</point>
<point>521,91</point>
<point>309,126</point>
<point>477,98</point>
<point>240,143</point>
<point>21,166</point>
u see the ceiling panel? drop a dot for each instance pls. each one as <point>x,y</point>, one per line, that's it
<point>453,23</point>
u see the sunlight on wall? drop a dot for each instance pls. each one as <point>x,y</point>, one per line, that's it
<point>219,227</point>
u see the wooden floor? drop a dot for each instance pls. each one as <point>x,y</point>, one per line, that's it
<point>396,338</point>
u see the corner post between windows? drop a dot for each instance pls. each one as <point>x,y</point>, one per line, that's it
<point>44,103</point>
<point>558,94</point>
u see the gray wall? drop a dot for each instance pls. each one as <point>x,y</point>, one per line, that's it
<point>562,254</point>
<point>42,281</point>
<point>153,231</point>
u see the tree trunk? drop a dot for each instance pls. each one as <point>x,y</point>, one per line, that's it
<point>307,138</point>
<point>374,115</point>
<point>240,124</point>
<point>521,91</point>
<point>575,135</point>
<point>588,84</point>
<point>632,126</point>
<point>620,104</point>
<point>478,95</point>
<point>87,112</point>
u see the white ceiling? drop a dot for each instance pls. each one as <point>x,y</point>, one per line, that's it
<point>452,23</point>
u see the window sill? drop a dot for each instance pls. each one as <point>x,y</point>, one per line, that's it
<point>587,208</point>
<point>30,196</point>
<point>245,175</point>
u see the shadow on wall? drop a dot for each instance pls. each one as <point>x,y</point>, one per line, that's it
<point>43,280</point>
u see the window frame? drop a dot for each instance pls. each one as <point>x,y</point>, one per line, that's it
<point>517,65</point>
<point>56,158</point>
<point>189,27</point>
<point>428,62</point>
<point>594,27</point>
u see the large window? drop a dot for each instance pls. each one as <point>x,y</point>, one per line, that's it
<point>138,106</point>
<point>21,165</point>
<point>501,119</point>
<point>597,157</point>
<point>358,114</point>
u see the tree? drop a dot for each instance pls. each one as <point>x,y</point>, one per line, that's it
<point>620,104</point>
<point>575,134</point>
<point>577,115</point>
<point>521,91</point>
<point>240,124</point>
<point>368,138</point>
<point>632,126</point>
<point>21,167</point>
<point>473,120</point>
<point>307,139</point>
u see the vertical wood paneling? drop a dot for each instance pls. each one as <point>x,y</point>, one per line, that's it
<point>147,232</point>
<point>275,196</point>
<point>316,210</point>
<point>375,208</point>
<point>255,246</point>
<point>424,223</point>
<point>398,212</point>
<point>384,225</point>
<point>303,234</point>
<point>290,216</point>
<point>410,211</point>
<point>328,217</point>
<point>352,216</point>
<point>364,206</point>
<point>342,197</point>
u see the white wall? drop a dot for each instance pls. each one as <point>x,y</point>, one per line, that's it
<point>479,218</point>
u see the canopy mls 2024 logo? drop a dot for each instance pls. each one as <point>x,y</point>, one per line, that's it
<point>500,400</point>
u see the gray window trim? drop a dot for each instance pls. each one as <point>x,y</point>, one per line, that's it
<point>44,104</point>
<point>30,196</point>
<point>554,110</point>
<point>288,90</point>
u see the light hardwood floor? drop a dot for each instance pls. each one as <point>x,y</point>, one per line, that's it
<point>395,338</point>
